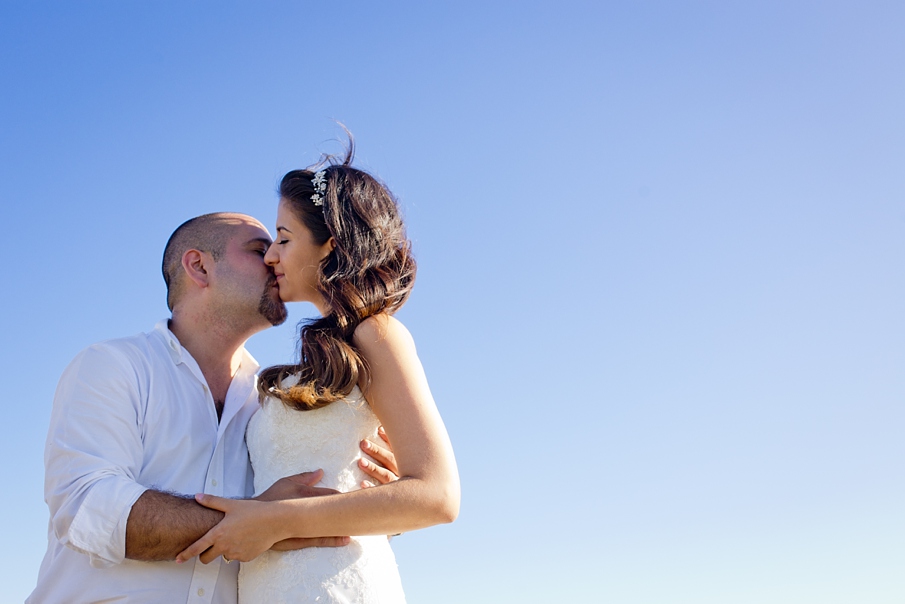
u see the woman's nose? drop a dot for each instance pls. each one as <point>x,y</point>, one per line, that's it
<point>271,257</point>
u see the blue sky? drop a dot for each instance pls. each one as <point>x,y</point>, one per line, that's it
<point>660,263</point>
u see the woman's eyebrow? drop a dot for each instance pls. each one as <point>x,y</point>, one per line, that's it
<point>282,228</point>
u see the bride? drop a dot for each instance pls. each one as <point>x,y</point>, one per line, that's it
<point>341,245</point>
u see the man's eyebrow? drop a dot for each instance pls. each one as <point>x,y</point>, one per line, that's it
<point>265,240</point>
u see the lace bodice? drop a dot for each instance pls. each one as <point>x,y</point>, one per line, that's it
<point>282,441</point>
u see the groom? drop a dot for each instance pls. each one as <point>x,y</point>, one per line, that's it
<point>140,424</point>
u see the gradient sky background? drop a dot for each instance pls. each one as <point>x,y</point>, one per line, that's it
<point>661,263</point>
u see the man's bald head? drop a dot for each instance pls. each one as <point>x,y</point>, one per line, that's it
<point>208,233</point>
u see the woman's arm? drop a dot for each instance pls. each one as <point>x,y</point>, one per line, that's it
<point>427,492</point>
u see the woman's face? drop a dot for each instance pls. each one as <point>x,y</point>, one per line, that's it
<point>295,258</point>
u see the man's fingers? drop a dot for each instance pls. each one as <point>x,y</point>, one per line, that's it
<point>381,475</point>
<point>294,486</point>
<point>331,541</point>
<point>316,492</point>
<point>367,484</point>
<point>291,544</point>
<point>381,455</point>
<point>385,469</point>
<point>308,478</point>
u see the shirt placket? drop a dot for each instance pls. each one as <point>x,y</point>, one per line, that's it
<point>204,576</point>
<point>204,581</point>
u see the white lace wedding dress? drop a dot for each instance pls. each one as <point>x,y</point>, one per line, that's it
<point>282,441</point>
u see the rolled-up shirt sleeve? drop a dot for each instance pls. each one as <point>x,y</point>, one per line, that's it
<point>94,453</point>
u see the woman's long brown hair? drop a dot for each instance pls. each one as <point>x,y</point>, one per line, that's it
<point>370,271</point>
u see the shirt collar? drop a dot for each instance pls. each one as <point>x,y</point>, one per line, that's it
<point>247,363</point>
<point>172,344</point>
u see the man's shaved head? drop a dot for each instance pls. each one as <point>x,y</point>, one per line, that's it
<point>208,233</point>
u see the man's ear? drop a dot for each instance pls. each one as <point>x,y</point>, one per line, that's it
<point>195,264</point>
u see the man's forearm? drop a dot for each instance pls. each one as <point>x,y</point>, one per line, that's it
<point>161,525</point>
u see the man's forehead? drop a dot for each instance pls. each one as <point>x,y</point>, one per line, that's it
<point>244,229</point>
<point>236,219</point>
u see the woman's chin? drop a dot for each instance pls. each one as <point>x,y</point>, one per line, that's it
<point>286,296</point>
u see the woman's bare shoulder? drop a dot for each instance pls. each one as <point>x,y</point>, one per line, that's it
<point>382,333</point>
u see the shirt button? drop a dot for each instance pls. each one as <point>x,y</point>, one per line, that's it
<point>214,481</point>
<point>201,592</point>
<point>172,344</point>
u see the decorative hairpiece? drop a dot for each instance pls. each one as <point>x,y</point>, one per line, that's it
<point>320,187</point>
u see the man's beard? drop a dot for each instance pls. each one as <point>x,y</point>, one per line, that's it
<point>272,310</point>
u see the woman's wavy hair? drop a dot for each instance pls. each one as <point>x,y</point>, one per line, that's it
<point>370,271</point>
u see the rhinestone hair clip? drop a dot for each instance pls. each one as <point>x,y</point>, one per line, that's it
<point>320,187</point>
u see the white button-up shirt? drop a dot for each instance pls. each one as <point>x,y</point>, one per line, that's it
<point>129,415</point>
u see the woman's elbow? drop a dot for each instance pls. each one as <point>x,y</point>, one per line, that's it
<point>446,506</point>
<point>449,512</point>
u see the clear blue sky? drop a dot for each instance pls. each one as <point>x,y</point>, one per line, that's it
<point>661,256</point>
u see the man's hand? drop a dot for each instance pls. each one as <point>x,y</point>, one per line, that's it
<point>385,470</point>
<point>296,486</point>
<point>290,544</point>
<point>381,467</point>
